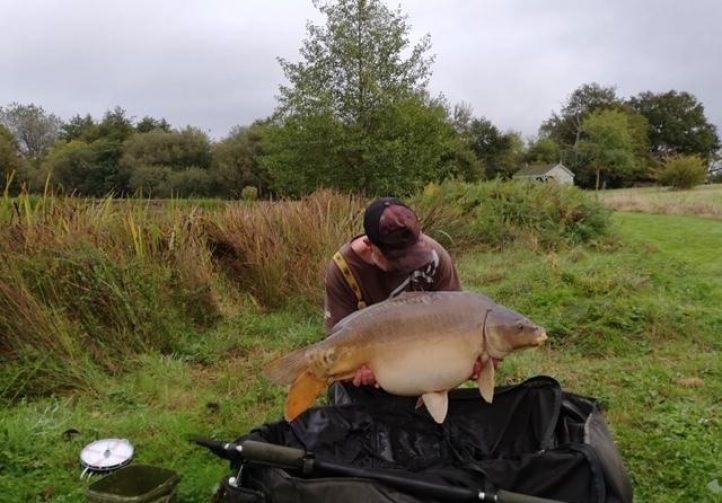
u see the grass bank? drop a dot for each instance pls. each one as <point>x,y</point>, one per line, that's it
<point>635,324</point>
<point>86,286</point>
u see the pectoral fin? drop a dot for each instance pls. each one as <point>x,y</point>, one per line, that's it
<point>304,391</point>
<point>437,403</point>
<point>486,379</point>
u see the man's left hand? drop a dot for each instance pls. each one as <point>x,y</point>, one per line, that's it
<point>364,376</point>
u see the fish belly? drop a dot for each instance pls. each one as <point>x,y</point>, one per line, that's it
<point>418,369</point>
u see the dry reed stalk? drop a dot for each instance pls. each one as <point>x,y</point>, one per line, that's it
<point>95,281</point>
<point>278,250</point>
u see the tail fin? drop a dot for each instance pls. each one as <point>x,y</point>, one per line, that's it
<point>286,369</point>
<point>304,391</point>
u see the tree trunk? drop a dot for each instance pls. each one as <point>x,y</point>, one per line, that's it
<point>597,185</point>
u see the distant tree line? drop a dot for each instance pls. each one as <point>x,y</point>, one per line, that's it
<point>356,115</point>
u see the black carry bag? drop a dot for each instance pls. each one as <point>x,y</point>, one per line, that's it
<point>534,441</point>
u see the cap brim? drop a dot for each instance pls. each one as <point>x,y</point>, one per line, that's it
<point>412,257</point>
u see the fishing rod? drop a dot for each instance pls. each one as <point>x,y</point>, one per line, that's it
<point>299,460</point>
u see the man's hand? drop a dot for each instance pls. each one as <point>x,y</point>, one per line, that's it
<point>364,376</point>
<point>478,366</point>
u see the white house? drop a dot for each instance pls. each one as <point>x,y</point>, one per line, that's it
<point>545,173</point>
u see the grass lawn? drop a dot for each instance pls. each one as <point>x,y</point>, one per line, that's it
<point>637,325</point>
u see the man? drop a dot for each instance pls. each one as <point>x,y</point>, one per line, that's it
<point>393,256</point>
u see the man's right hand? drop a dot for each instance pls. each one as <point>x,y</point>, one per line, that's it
<point>364,377</point>
<point>478,366</point>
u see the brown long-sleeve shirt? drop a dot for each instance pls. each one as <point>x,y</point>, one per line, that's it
<point>378,285</point>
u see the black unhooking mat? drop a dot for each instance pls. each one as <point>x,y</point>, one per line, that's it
<point>535,439</point>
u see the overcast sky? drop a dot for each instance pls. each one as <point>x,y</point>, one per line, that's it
<point>212,63</point>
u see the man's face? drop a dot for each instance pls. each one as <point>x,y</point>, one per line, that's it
<point>378,258</point>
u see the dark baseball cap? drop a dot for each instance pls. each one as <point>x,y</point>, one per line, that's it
<point>394,228</point>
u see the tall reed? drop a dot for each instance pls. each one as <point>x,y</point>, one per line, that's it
<point>279,250</point>
<point>84,285</point>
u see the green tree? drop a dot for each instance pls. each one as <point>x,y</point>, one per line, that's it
<point>177,150</point>
<point>163,163</point>
<point>34,130</point>
<point>510,158</point>
<point>72,167</point>
<point>682,171</point>
<point>99,159</point>
<point>566,127</point>
<point>150,181</point>
<point>461,118</point>
<point>355,114</point>
<point>82,168</point>
<point>235,161</point>
<point>500,153</point>
<point>412,144</point>
<point>608,145</point>
<point>543,150</point>
<point>11,163</point>
<point>485,139</point>
<point>677,124</point>
<point>147,124</point>
<point>80,128</point>
<point>566,130</point>
<point>355,64</point>
<point>116,125</point>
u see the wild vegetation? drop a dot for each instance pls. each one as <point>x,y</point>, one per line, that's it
<point>85,284</point>
<point>498,214</point>
<point>633,317</point>
<point>152,319</point>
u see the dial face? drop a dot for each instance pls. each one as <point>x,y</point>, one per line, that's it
<point>106,453</point>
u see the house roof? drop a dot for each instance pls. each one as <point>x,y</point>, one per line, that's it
<point>541,169</point>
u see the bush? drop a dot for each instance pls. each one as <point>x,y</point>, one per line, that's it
<point>682,171</point>
<point>249,193</point>
<point>499,213</point>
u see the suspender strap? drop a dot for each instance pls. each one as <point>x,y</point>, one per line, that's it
<point>350,279</point>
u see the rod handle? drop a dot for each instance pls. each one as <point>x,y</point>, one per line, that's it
<point>272,454</point>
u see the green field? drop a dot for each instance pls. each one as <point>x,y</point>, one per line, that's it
<point>636,323</point>
<point>704,200</point>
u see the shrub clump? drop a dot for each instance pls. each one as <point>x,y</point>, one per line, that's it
<point>682,171</point>
<point>249,193</point>
<point>498,213</point>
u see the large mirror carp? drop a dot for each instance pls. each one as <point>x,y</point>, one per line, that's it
<point>417,344</point>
